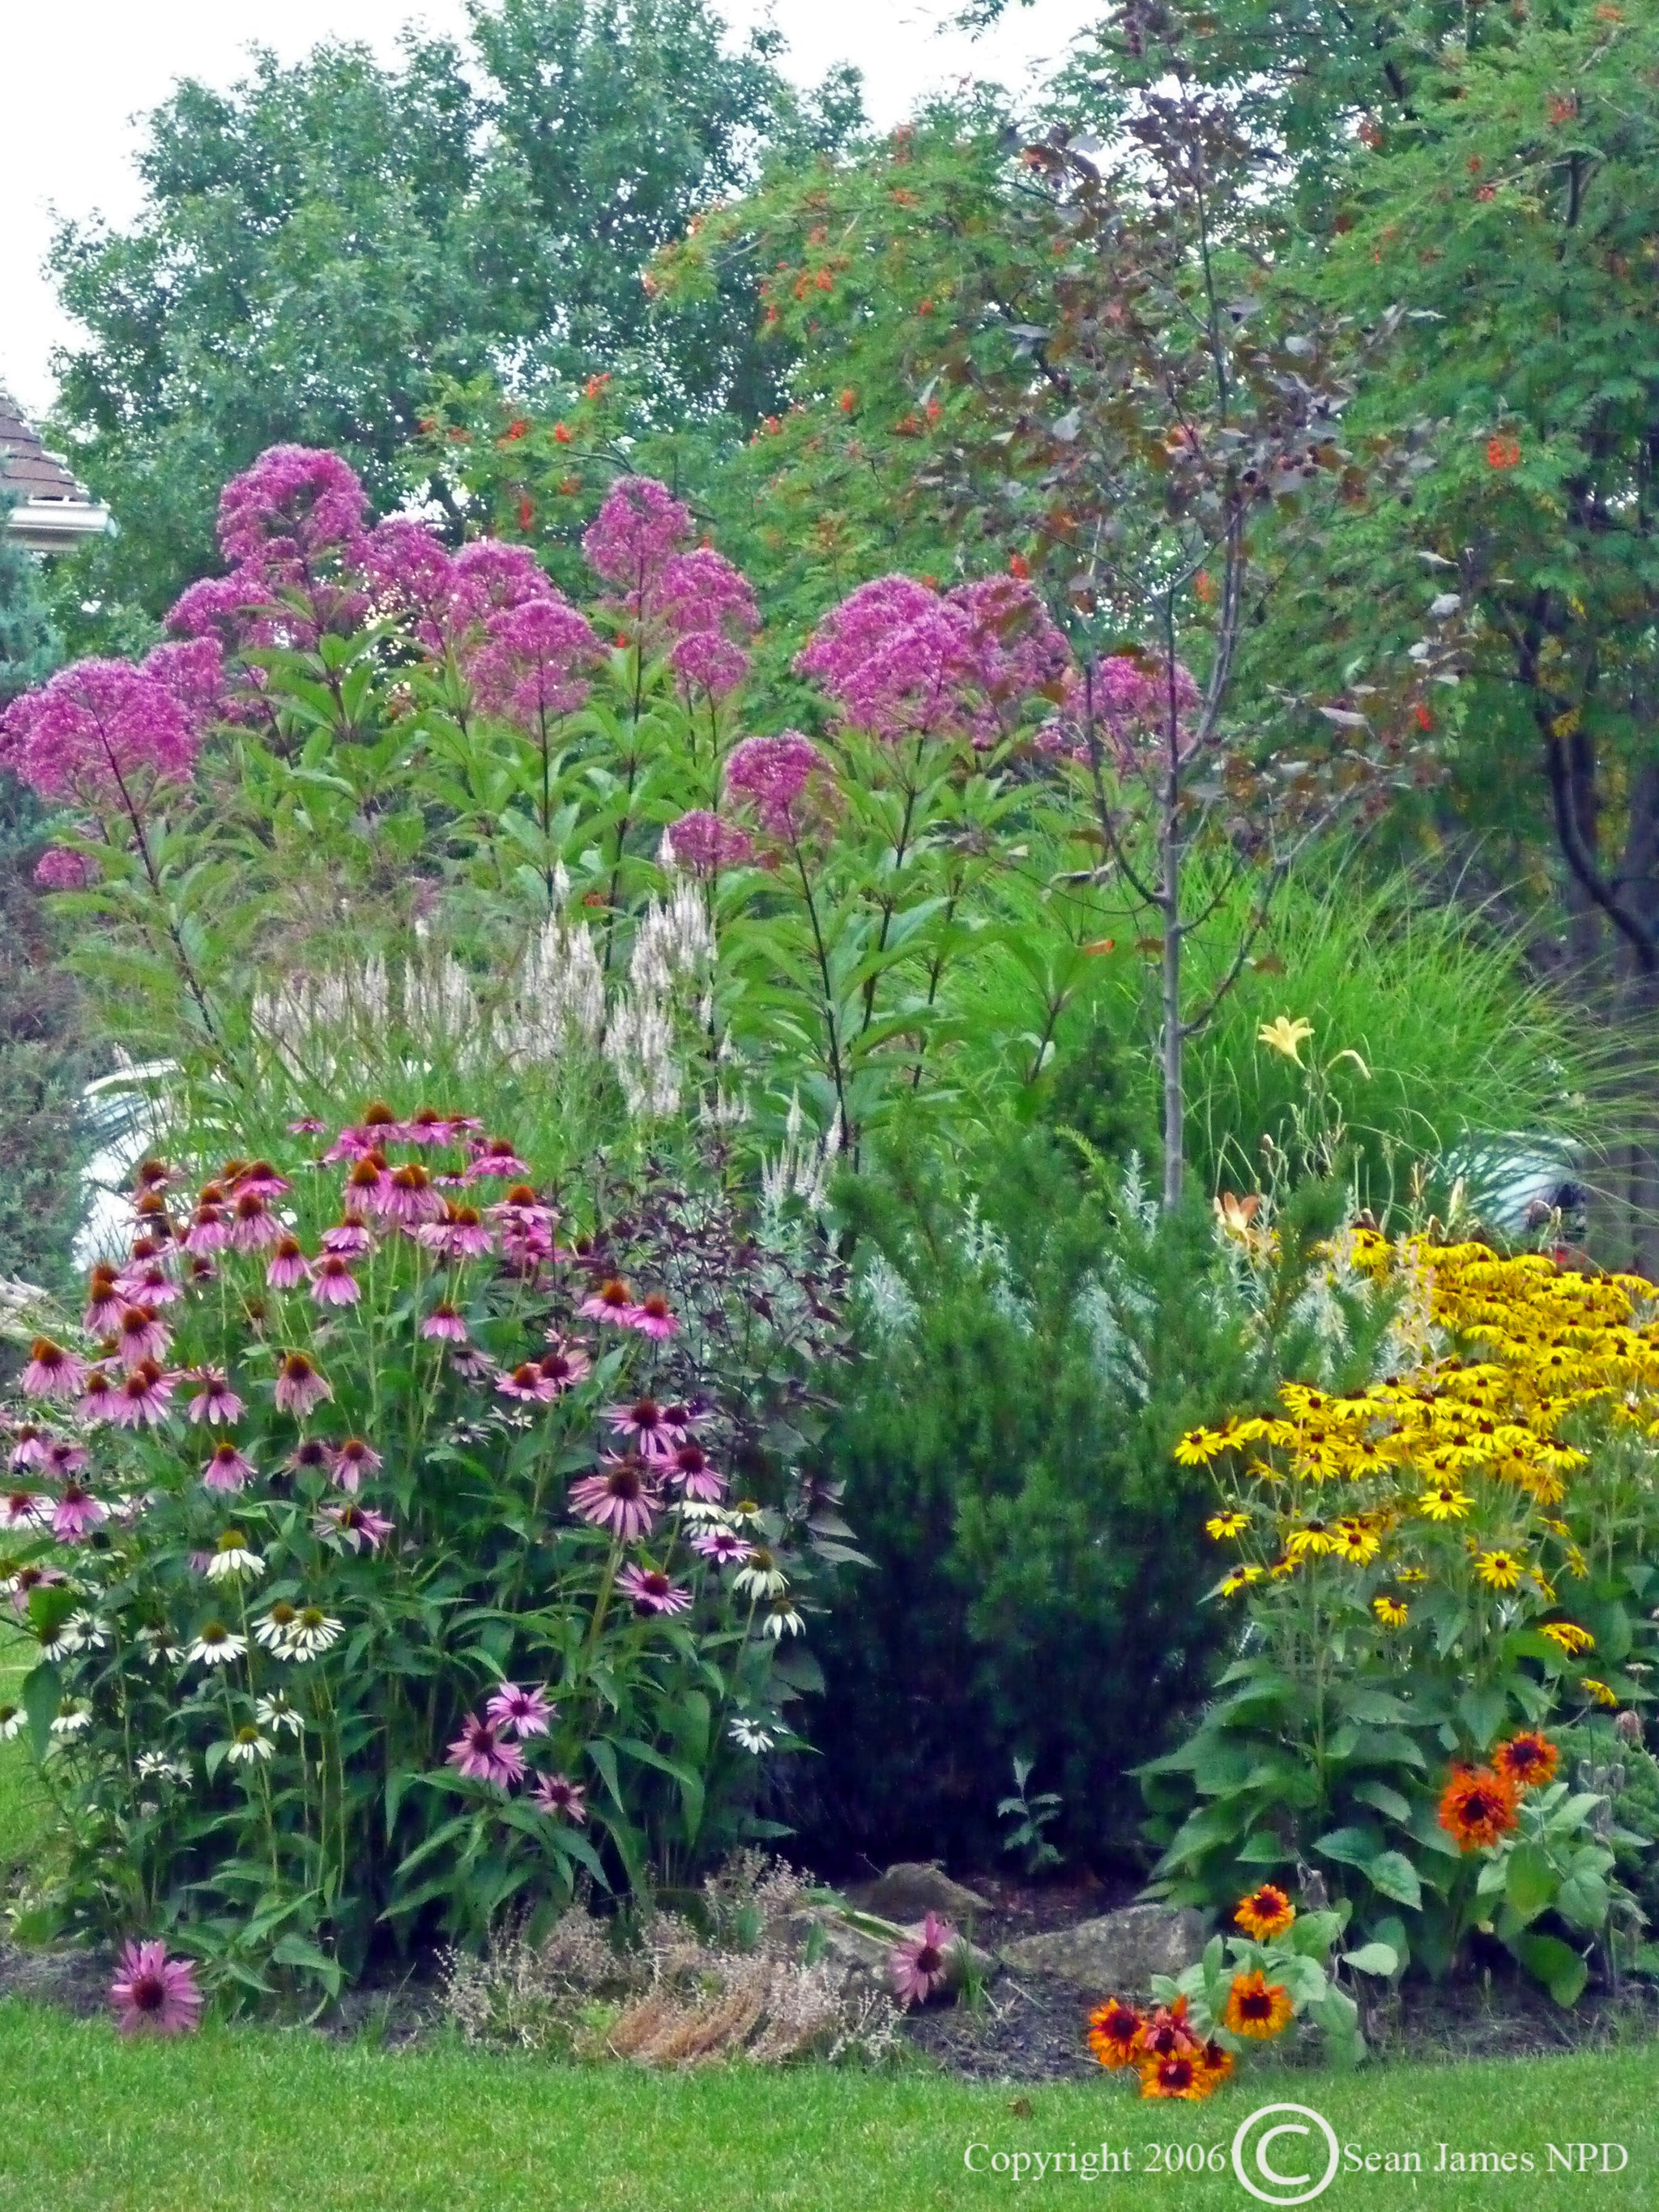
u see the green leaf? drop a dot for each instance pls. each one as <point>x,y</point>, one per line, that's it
<point>1584,1900</point>
<point>1373,1958</point>
<point>42,1694</point>
<point>1373,1792</point>
<point>1529,1880</point>
<point>1553,1963</point>
<point>1481,1712</point>
<point>1394,1874</point>
<point>1348,1846</point>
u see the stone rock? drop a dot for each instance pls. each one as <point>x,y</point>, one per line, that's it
<point>1115,1955</point>
<point>911,1889</point>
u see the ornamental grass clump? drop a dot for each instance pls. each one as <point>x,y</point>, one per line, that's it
<point>397,1543</point>
<point>1430,1565</point>
<point>737,1982</point>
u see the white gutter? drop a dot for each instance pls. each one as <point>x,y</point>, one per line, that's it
<point>52,525</point>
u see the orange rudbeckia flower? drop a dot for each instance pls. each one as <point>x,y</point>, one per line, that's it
<point>1257,2007</point>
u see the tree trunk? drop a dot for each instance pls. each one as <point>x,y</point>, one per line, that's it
<point>1174,1040</point>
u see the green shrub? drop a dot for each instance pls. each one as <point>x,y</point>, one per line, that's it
<point>1033,1345</point>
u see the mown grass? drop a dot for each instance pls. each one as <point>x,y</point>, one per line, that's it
<point>250,2118</point>
<point>23,1806</point>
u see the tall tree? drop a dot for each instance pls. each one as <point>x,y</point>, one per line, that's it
<point>319,243</point>
<point>41,1048</point>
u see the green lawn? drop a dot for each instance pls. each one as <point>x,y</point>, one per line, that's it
<point>22,1805</point>
<point>242,2120</point>
<point>249,2120</point>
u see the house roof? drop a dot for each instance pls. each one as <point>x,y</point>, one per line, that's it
<point>51,511</point>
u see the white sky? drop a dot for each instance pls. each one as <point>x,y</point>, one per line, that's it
<point>66,144</point>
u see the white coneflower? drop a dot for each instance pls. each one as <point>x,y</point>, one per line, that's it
<point>313,1632</point>
<point>760,1576</point>
<point>275,1629</point>
<point>747,1736</point>
<point>783,1619</point>
<point>248,1745</point>
<point>12,1718</point>
<point>72,1720</point>
<point>216,1646</point>
<point>232,1557</point>
<point>157,1767</point>
<point>276,1713</point>
<point>157,1644</point>
<point>66,1640</point>
<point>703,1510</point>
<point>94,1633</point>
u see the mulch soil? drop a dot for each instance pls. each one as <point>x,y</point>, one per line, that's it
<point>1020,2028</point>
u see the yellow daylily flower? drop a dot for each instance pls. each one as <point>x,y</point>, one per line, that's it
<point>1287,1036</point>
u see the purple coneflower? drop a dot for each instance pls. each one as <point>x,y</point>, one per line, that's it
<point>648,1424</point>
<point>308,1125</point>
<point>261,1180</point>
<point>98,1398</point>
<point>526,1712</point>
<point>332,1283</point>
<point>426,1126</point>
<point>22,1509</point>
<point>104,1302</point>
<point>310,1456</point>
<point>209,1231</point>
<point>254,1225</point>
<point>367,1186</point>
<point>139,1335</point>
<point>288,1268</point>
<point>528,1382</point>
<point>352,1461</point>
<point>651,1591</point>
<point>459,1234</point>
<point>227,1469</point>
<point>149,1285</point>
<point>564,1364</point>
<point>76,1514</point>
<point>444,1326</point>
<point>347,1240</point>
<point>496,1156</point>
<point>651,1317</point>
<point>19,1586</point>
<point>622,1497</point>
<point>65,1459</point>
<point>139,1398</point>
<point>52,1372</point>
<point>564,1799</point>
<point>613,1301</point>
<point>521,1209</point>
<point>921,1964</point>
<point>480,1752</point>
<point>356,1525</point>
<point>154,1994</point>
<point>201,1271</point>
<point>411,1198</point>
<point>723,1546</point>
<point>690,1474</point>
<point>300,1388</point>
<point>216,1401</point>
<point>472,1365</point>
<point>31,1447</point>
